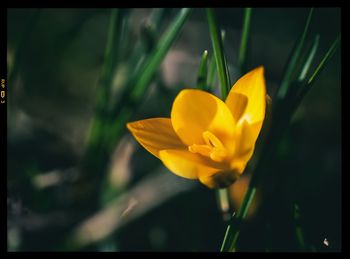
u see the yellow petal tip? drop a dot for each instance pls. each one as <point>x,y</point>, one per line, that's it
<point>128,125</point>
<point>260,69</point>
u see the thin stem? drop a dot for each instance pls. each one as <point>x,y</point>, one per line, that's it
<point>223,34</point>
<point>293,60</point>
<point>223,199</point>
<point>211,73</point>
<point>203,72</point>
<point>216,40</point>
<point>233,230</point>
<point>307,84</point>
<point>328,55</point>
<point>310,58</point>
<point>226,237</point>
<point>139,83</point>
<point>103,91</point>
<point>152,64</point>
<point>244,39</point>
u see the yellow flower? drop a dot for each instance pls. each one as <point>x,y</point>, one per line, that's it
<point>206,138</point>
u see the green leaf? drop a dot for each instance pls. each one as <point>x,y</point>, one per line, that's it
<point>306,84</point>
<point>296,86</point>
<point>324,61</point>
<point>211,73</point>
<point>287,78</point>
<point>242,60</point>
<point>223,34</point>
<point>202,72</point>
<point>217,43</point>
<point>131,97</point>
<point>149,29</point>
<point>153,62</point>
<point>103,91</point>
<point>233,230</point>
<point>144,47</point>
<point>112,45</point>
<point>309,59</point>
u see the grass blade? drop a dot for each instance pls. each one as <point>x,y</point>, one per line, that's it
<point>155,59</point>
<point>287,78</point>
<point>244,40</point>
<point>306,85</point>
<point>103,91</point>
<point>211,73</point>
<point>297,86</point>
<point>223,200</point>
<point>233,229</point>
<point>324,61</point>
<point>112,46</point>
<point>309,59</point>
<point>223,34</point>
<point>123,109</point>
<point>202,72</point>
<point>145,46</point>
<point>149,29</point>
<point>216,40</point>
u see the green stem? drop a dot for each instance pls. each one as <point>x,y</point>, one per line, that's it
<point>211,73</point>
<point>103,92</point>
<point>287,78</point>
<point>223,199</point>
<point>233,230</point>
<point>226,237</point>
<point>159,53</point>
<point>139,83</point>
<point>216,40</point>
<point>244,39</point>
<point>328,55</point>
<point>223,34</point>
<point>307,84</point>
<point>309,59</point>
<point>203,72</point>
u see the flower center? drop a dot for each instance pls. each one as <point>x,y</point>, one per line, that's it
<point>213,148</point>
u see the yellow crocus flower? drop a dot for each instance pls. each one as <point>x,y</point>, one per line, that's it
<point>206,138</point>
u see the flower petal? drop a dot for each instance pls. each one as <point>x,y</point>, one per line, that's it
<point>247,135</point>
<point>252,85</point>
<point>237,103</point>
<point>186,164</point>
<point>196,111</point>
<point>155,134</point>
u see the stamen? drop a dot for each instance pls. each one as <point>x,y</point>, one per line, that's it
<point>211,140</point>
<point>213,148</point>
<point>218,154</point>
<point>200,149</point>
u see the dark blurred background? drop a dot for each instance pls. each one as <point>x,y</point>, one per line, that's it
<point>55,58</point>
